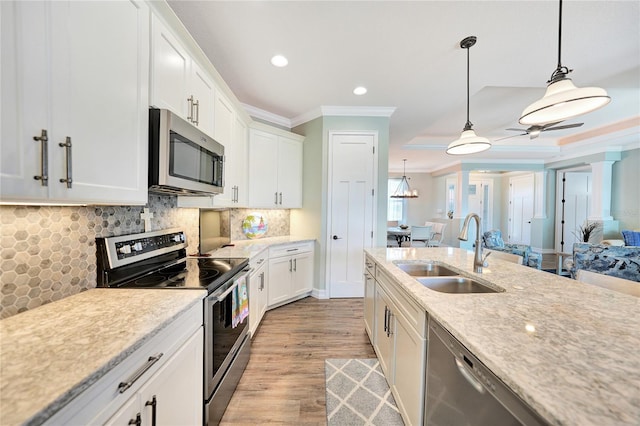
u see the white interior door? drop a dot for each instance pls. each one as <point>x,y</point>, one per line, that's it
<point>575,189</point>
<point>479,202</point>
<point>521,209</point>
<point>351,204</point>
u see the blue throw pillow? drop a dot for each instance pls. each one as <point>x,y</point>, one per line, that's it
<point>631,238</point>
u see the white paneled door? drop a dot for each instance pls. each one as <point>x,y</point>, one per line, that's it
<point>520,209</point>
<point>573,200</point>
<point>351,204</point>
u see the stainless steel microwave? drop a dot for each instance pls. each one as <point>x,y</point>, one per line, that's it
<point>182,159</point>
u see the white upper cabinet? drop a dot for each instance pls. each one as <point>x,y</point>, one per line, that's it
<point>275,168</point>
<point>178,82</point>
<point>75,76</point>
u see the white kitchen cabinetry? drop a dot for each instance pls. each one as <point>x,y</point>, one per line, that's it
<point>369,298</point>
<point>400,343</point>
<point>290,272</point>
<point>275,168</point>
<point>169,395</point>
<point>168,366</point>
<point>75,76</point>
<point>258,289</point>
<point>178,83</point>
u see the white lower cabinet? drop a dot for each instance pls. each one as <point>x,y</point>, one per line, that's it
<point>290,272</point>
<point>258,298</point>
<point>169,397</point>
<point>400,344</point>
<point>167,369</point>
<point>369,299</point>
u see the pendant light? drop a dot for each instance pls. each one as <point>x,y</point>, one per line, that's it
<point>404,190</point>
<point>563,100</point>
<point>469,142</point>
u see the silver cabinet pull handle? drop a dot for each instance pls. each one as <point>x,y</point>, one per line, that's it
<point>295,265</point>
<point>67,146</point>
<point>44,163</point>
<point>276,197</point>
<point>385,318</point>
<point>196,105</point>
<point>281,198</point>
<point>123,386</point>
<point>262,281</point>
<point>190,113</point>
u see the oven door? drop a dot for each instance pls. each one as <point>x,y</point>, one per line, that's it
<point>223,330</point>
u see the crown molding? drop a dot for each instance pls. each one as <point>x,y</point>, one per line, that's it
<point>267,116</point>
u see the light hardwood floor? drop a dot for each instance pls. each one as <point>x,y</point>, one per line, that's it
<point>284,380</point>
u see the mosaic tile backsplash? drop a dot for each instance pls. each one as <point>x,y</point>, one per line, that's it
<point>48,252</point>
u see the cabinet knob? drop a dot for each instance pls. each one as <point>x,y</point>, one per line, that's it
<point>335,237</point>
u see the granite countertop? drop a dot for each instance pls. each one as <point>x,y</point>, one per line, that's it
<point>568,349</point>
<point>251,248</point>
<point>52,353</point>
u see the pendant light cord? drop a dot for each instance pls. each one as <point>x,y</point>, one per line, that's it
<point>560,72</point>
<point>468,125</point>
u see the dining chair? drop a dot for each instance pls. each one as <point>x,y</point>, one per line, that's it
<point>420,236</point>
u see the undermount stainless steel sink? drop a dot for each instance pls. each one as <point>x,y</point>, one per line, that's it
<point>426,270</point>
<point>454,285</point>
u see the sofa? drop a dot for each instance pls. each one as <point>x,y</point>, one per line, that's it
<point>493,240</point>
<point>616,261</point>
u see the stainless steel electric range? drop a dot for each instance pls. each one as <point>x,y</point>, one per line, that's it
<point>159,260</point>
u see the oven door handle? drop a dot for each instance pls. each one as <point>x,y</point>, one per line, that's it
<point>222,296</point>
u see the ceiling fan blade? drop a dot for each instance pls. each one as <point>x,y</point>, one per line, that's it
<point>566,126</point>
<point>517,130</point>
<point>512,136</point>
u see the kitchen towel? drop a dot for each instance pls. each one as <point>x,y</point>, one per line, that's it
<point>240,302</point>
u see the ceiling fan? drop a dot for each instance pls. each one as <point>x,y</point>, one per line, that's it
<point>535,130</point>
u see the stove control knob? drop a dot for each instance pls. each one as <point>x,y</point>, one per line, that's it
<point>137,246</point>
<point>125,249</point>
<point>178,238</point>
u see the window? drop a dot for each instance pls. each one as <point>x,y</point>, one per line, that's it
<point>395,206</point>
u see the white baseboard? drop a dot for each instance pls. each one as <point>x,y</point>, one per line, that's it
<point>319,294</point>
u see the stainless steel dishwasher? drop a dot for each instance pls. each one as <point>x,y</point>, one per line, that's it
<point>461,391</point>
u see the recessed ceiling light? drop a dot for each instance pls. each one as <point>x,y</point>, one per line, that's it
<point>360,90</point>
<point>279,61</point>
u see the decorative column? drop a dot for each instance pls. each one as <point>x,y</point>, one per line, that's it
<point>540,195</point>
<point>601,175</point>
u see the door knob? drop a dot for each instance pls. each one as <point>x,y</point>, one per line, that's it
<point>335,237</point>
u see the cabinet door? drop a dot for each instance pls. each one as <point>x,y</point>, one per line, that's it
<point>369,305</point>
<point>289,173</point>
<point>239,161</point>
<point>100,69</point>
<point>203,92</point>
<point>169,70</point>
<point>279,279</point>
<point>302,274</point>
<point>263,175</point>
<point>383,340</point>
<point>257,298</point>
<point>409,361</point>
<point>224,120</point>
<point>25,98</point>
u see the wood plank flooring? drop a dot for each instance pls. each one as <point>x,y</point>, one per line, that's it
<point>284,380</point>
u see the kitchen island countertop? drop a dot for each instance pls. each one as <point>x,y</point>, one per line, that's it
<point>50,354</point>
<point>568,349</point>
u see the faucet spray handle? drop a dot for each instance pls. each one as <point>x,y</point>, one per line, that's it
<point>484,260</point>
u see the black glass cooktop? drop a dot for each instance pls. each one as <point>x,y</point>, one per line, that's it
<point>208,273</point>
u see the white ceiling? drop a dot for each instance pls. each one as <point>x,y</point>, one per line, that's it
<point>408,56</point>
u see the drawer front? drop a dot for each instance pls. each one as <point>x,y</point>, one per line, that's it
<point>290,249</point>
<point>416,316</point>
<point>259,260</point>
